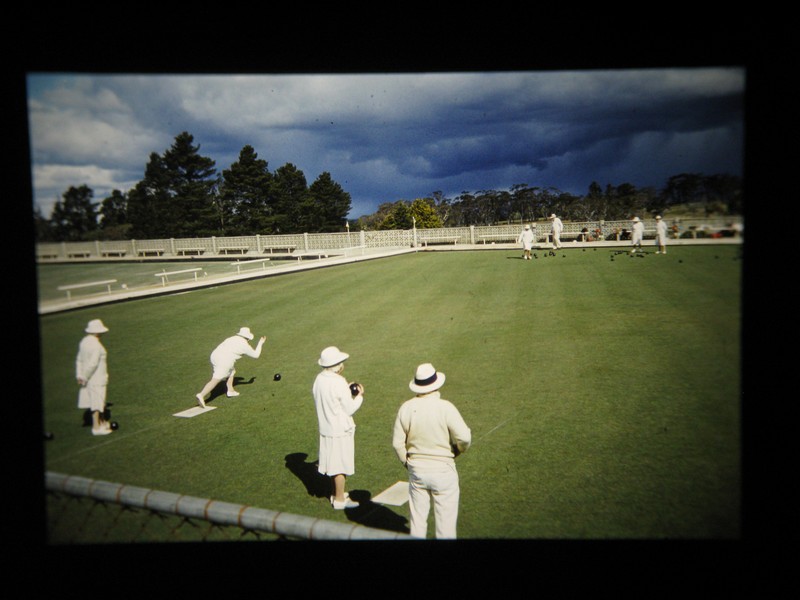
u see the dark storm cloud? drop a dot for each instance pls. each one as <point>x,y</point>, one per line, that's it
<point>396,136</point>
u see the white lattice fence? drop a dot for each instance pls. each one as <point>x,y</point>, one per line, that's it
<point>396,238</point>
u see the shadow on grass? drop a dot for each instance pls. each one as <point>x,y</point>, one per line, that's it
<point>317,484</point>
<point>222,388</point>
<point>87,415</point>
<point>367,513</point>
<point>370,514</point>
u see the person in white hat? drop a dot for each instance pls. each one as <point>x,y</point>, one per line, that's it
<point>91,372</point>
<point>429,432</point>
<point>661,235</point>
<point>558,227</point>
<point>336,405</point>
<point>223,362</point>
<point>526,239</point>
<point>637,233</point>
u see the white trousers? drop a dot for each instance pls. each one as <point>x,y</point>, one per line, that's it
<point>439,484</point>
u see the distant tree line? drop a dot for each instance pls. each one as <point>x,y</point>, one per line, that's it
<point>182,196</point>
<point>707,195</point>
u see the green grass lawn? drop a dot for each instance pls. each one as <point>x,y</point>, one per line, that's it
<point>603,391</point>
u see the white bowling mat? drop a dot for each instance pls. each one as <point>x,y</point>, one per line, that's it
<point>396,495</point>
<point>193,412</point>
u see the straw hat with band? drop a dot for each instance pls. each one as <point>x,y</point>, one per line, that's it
<point>427,379</point>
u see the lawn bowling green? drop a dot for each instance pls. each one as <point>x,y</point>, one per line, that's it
<point>603,395</point>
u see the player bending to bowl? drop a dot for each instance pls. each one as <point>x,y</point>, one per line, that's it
<point>223,362</point>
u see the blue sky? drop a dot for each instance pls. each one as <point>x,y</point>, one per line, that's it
<point>385,137</point>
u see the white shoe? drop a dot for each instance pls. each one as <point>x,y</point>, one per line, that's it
<point>200,402</point>
<point>233,394</point>
<point>101,431</point>
<point>347,503</point>
<point>346,496</point>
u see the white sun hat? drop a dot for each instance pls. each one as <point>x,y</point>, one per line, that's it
<point>332,356</point>
<point>426,379</point>
<point>96,326</point>
<point>245,333</point>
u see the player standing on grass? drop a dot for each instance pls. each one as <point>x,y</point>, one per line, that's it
<point>91,372</point>
<point>223,362</point>
<point>428,434</point>
<point>661,235</point>
<point>526,239</point>
<point>558,227</point>
<point>336,404</point>
<point>637,234</point>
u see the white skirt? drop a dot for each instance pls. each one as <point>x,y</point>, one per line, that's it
<point>92,397</point>
<point>337,455</point>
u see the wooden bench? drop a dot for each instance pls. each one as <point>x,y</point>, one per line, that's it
<point>79,254</point>
<point>151,252</point>
<point>192,251</point>
<point>320,254</point>
<point>233,249</point>
<point>238,264</point>
<point>499,236</point>
<point>108,253</point>
<point>440,240</point>
<point>165,274</point>
<point>287,247</point>
<point>75,286</point>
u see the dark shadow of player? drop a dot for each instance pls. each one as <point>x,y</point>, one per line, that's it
<point>367,513</point>
<point>87,415</point>
<point>222,389</point>
<point>377,516</point>
<point>317,484</point>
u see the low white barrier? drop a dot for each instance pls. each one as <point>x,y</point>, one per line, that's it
<point>221,513</point>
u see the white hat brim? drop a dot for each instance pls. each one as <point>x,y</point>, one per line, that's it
<point>334,360</point>
<point>424,389</point>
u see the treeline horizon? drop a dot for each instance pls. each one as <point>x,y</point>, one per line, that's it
<point>182,196</point>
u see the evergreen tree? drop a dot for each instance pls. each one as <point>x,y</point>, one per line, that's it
<point>114,210</point>
<point>330,204</point>
<point>149,202</point>
<point>292,200</point>
<point>193,203</point>
<point>246,201</point>
<point>176,197</point>
<point>74,218</point>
